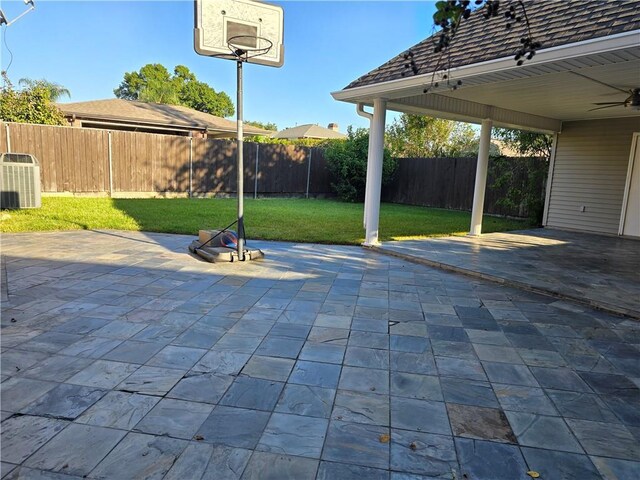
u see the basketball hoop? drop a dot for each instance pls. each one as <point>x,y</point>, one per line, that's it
<point>244,47</point>
<point>246,31</point>
<point>249,30</point>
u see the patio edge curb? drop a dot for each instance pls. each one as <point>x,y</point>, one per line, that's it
<point>510,283</point>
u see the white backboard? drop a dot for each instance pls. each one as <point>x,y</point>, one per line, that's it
<point>216,21</point>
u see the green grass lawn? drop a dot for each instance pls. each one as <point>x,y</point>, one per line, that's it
<point>298,220</point>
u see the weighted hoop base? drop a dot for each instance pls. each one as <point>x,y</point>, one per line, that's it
<point>223,254</point>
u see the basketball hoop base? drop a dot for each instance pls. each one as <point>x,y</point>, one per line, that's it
<point>223,254</point>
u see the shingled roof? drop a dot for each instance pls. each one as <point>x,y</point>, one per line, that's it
<point>131,111</point>
<point>308,131</point>
<point>553,23</point>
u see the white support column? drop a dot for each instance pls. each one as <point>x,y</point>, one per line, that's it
<point>374,168</point>
<point>369,116</point>
<point>550,172</point>
<point>481,177</point>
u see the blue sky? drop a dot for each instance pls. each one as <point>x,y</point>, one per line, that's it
<point>87,46</point>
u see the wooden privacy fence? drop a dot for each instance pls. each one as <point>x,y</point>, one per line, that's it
<point>118,163</point>
<point>449,183</point>
<point>85,161</point>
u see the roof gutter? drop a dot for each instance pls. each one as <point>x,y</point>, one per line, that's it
<point>113,119</point>
<point>168,128</point>
<point>361,111</point>
<point>552,54</point>
<point>119,121</point>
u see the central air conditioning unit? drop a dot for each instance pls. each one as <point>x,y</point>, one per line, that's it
<point>19,181</point>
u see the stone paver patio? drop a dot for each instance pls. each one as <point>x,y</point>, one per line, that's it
<point>124,357</point>
<point>595,270</point>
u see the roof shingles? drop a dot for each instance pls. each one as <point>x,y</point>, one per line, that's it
<point>308,131</point>
<point>553,23</point>
<point>155,113</point>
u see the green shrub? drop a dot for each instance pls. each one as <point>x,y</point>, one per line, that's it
<point>300,142</point>
<point>347,160</point>
<point>523,181</point>
<point>31,104</point>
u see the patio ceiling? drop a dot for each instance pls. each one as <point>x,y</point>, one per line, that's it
<point>537,96</point>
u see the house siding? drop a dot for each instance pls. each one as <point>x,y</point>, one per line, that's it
<point>590,170</point>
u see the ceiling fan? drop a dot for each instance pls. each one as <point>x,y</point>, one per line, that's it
<point>633,101</point>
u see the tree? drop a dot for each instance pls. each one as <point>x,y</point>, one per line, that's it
<point>528,144</point>
<point>264,125</point>
<point>347,160</point>
<point>155,84</point>
<point>201,97</point>
<point>55,89</point>
<point>422,136</point>
<point>31,104</point>
<point>523,178</point>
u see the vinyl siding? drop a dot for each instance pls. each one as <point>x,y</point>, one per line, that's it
<point>590,169</point>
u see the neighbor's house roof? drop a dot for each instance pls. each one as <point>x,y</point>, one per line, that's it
<point>553,23</point>
<point>308,131</point>
<point>149,115</point>
<point>590,53</point>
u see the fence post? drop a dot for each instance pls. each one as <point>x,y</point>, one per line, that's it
<point>309,170</point>
<point>110,165</point>
<point>6,127</point>
<point>190,167</point>
<point>255,182</point>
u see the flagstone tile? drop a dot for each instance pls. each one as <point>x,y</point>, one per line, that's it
<point>103,374</point>
<point>480,423</point>
<point>118,410</point>
<point>306,400</point>
<point>433,456</point>
<point>605,439</point>
<point>254,393</point>
<point>140,456</point>
<point>65,401</point>
<point>560,464</point>
<point>497,461</point>
<point>357,444</point>
<point>273,466</point>
<point>234,427</point>
<point>76,450</point>
<point>23,435</point>
<point>419,415</point>
<point>151,380</point>
<point>294,435</point>
<point>543,432</point>
<point>175,418</point>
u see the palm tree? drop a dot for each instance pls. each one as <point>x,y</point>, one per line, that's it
<point>55,89</point>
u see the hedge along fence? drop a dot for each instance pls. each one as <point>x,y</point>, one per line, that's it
<point>449,183</point>
<point>119,163</point>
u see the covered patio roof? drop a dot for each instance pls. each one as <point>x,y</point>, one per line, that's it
<point>590,54</point>
<point>594,57</point>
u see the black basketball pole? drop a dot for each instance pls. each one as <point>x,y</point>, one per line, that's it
<point>240,167</point>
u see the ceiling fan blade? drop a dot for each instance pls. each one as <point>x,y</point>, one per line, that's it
<point>601,83</point>
<point>611,94</point>
<point>609,103</point>
<point>608,106</point>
